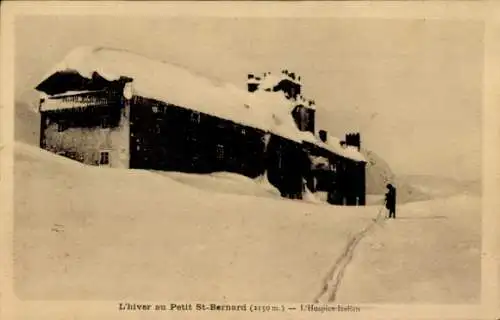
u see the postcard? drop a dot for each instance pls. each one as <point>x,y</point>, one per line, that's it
<point>239,160</point>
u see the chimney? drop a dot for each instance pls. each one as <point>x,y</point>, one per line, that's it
<point>252,82</point>
<point>323,135</point>
<point>252,87</point>
<point>353,139</point>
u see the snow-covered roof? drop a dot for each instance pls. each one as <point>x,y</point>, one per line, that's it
<point>301,100</point>
<point>268,111</point>
<point>71,93</point>
<point>269,81</point>
<point>350,152</point>
<point>253,80</point>
<point>319,162</point>
<point>333,145</point>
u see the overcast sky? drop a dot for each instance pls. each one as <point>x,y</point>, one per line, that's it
<point>413,88</point>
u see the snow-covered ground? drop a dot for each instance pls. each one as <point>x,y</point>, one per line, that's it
<point>430,254</point>
<point>92,233</point>
<point>225,182</point>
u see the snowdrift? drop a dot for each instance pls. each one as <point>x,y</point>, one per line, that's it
<point>84,232</point>
<point>378,173</point>
<point>26,124</point>
<point>93,233</point>
<point>225,182</point>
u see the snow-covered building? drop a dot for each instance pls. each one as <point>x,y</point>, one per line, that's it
<point>344,176</point>
<point>115,108</point>
<point>334,166</point>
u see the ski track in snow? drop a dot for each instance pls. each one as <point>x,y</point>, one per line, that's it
<point>333,279</point>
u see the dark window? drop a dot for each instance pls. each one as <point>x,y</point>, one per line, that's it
<point>221,124</point>
<point>104,158</point>
<point>61,126</point>
<point>195,117</point>
<point>220,151</point>
<point>191,134</point>
<point>105,123</point>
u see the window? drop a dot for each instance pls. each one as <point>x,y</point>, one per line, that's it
<point>104,158</point>
<point>220,151</point>
<point>333,167</point>
<point>155,109</point>
<point>105,123</point>
<point>195,117</point>
<point>61,126</point>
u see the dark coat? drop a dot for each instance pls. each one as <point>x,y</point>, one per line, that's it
<point>390,197</point>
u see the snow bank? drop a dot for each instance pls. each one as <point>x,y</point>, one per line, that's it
<point>26,123</point>
<point>85,232</point>
<point>225,182</point>
<point>311,197</point>
<point>26,151</point>
<point>95,233</point>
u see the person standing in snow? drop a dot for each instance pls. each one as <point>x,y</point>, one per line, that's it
<point>390,201</point>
